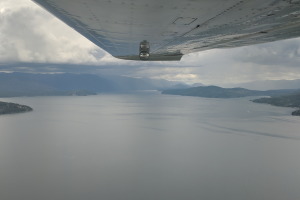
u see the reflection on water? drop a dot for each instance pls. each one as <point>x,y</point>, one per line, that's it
<point>149,146</point>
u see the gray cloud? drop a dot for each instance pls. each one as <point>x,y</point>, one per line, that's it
<point>30,35</point>
<point>282,53</point>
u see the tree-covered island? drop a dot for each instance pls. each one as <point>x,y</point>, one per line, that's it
<point>10,108</point>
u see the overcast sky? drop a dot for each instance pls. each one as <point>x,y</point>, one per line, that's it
<point>30,35</point>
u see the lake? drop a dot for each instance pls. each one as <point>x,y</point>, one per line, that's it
<point>148,146</point>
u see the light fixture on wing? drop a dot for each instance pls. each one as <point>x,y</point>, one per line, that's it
<point>144,50</point>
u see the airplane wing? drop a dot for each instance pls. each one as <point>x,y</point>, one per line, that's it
<point>173,28</point>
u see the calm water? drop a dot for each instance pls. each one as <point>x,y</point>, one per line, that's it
<point>149,146</point>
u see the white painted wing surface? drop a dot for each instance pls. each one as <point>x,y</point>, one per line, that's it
<point>177,27</point>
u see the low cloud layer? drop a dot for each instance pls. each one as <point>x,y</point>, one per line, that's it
<point>30,35</point>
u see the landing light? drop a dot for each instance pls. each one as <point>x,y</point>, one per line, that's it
<point>144,50</point>
<point>144,55</point>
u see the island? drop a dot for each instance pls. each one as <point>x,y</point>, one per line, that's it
<point>292,100</point>
<point>10,108</point>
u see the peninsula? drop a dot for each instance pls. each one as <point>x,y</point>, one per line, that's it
<point>219,92</point>
<point>10,108</point>
<point>292,100</point>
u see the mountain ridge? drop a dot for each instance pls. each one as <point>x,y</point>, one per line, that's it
<point>26,84</point>
<point>270,84</point>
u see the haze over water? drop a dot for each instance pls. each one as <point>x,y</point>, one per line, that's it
<point>148,146</point>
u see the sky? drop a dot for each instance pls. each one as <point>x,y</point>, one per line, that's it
<point>32,40</point>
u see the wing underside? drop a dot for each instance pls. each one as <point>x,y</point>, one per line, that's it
<point>177,27</point>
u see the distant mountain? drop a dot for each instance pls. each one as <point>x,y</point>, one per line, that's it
<point>218,92</point>
<point>197,84</point>
<point>292,100</point>
<point>271,84</point>
<point>26,84</point>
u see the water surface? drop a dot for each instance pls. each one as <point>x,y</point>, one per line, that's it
<point>149,146</point>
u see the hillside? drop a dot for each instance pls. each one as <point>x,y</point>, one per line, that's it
<point>26,84</point>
